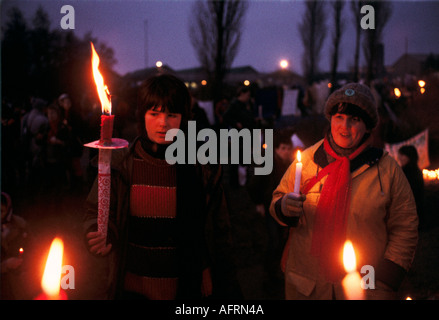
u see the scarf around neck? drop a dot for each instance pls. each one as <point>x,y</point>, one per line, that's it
<point>329,233</point>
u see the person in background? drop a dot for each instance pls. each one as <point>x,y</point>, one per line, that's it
<point>71,117</point>
<point>239,116</point>
<point>349,190</point>
<point>408,160</point>
<point>260,189</point>
<point>34,125</point>
<point>169,230</point>
<point>57,140</point>
<point>14,236</point>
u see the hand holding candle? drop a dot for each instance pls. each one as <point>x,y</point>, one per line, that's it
<point>292,202</point>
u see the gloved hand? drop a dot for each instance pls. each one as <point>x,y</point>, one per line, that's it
<point>292,204</point>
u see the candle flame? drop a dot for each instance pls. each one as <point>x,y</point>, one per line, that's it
<point>408,298</point>
<point>397,92</point>
<point>21,250</point>
<point>421,83</point>
<point>51,280</point>
<point>349,260</point>
<point>430,174</point>
<point>103,93</point>
<point>299,156</point>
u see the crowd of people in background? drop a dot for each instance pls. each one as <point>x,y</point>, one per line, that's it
<point>43,151</point>
<point>43,144</point>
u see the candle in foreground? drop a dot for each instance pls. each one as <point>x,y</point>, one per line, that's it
<point>352,281</point>
<point>51,280</point>
<point>298,173</point>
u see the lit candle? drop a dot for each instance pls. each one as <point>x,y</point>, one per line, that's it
<point>20,252</point>
<point>298,173</point>
<point>104,96</point>
<point>352,281</point>
<point>51,280</point>
<point>104,167</point>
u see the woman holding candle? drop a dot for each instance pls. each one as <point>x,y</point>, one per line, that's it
<point>348,190</point>
<point>169,231</point>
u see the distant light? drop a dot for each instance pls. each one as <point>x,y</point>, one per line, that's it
<point>264,146</point>
<point>421,83</point>
<point>159,64</point>
<point>283,64</point>
<point>329,85</point>
<point>397,92</point>
<point>203,82</point>
<point>193,85</point>
<point>422,90</point>
<point>246,82</point>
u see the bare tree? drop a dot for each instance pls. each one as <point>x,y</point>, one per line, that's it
<point>313,33</point>
<point>372,45</point>
<point>215,34</point>
<point>356,11</point>
<point>337,7</point>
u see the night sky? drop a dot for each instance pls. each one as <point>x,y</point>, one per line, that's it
<point>270,31</point>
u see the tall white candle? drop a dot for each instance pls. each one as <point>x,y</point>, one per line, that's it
<point>298,173</point>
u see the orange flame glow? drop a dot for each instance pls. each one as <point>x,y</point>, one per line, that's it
<point>51,280</point>
<point>104,94</point>
<point>349,260</point>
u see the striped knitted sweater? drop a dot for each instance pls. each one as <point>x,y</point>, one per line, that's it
<point>151,254</point>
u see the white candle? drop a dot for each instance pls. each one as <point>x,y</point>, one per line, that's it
<point>298,174</point>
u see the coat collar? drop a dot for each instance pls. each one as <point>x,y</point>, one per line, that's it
<point>369,157</point>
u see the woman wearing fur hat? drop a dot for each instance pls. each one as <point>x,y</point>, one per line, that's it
<point>349,191</point>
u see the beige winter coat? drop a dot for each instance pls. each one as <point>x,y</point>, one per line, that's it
<point>382,225</point>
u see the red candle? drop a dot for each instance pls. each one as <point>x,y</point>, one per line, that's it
<point>104,96</point>
<point>106,129</point>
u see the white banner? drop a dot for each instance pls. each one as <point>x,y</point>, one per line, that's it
<point>289,104</point>
<point>208,107</point>
<point>420,142</point>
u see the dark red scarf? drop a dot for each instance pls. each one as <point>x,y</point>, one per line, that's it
<point>329,233</point>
